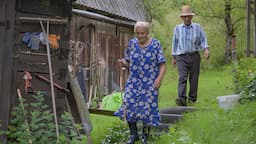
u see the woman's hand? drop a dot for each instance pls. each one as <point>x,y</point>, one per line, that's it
<point>122,63</point>
<point>157,83</point>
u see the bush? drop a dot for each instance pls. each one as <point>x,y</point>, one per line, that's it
<point>37,125</point>
<point>117,134</point>
<point>244,72</point>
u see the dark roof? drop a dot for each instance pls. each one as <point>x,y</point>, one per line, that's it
<point>133,10</point>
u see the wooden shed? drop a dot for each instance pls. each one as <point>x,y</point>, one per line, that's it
<point>101,31</point>
<point>90,35</point>
<point>23,53</point>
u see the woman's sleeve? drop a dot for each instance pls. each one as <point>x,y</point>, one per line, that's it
<point>127,52</point>
<point>160,54</point>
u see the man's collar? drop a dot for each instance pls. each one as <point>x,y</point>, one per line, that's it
<point>189,26</point>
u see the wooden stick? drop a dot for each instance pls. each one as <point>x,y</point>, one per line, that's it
<point>23,108</point>
<point>51,78</point>
<point>90,97</point>
<point>32,53</point>
<point>122,92</point>
<point>55,84</point>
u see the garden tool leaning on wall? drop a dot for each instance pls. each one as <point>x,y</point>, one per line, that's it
<point>122,92</point>
<point>81,104</point>
<point>27,81</point>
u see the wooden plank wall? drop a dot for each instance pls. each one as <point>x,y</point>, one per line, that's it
<point>7,19</point>
<point>106,43</point>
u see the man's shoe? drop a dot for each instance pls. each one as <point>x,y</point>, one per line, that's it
<point>191,102</point>
<point>181,102</point>
<point>133,139</point>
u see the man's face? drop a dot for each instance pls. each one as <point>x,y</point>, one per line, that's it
<point>187,19</point>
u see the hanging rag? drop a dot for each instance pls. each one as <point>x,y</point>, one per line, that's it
<point>81,82</point>
<point>34,42</point>
<point>32,39</point>
<point>53,39</point>
<point>43,38</point>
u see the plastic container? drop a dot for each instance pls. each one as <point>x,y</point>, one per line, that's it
<point>227,102</point>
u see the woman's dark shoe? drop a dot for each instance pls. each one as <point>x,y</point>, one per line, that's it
<point>144,139</point>
<point>133,139</point>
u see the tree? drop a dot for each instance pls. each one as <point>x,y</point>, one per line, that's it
<point>232,12</point>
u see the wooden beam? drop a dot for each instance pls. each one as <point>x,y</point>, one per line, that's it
<point>248,28</point>
<point>102,112</point>
<point>37,19</point>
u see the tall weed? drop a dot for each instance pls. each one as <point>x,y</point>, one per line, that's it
<point>214,126</point>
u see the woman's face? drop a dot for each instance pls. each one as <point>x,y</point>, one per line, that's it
<point>141,34</point>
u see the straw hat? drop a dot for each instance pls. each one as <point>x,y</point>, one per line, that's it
<point>186,11</point>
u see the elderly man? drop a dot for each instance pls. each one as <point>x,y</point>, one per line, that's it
<point>188,39</point>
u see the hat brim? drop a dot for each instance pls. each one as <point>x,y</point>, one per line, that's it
<point>187,14</point>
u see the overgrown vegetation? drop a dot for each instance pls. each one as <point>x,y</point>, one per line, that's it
<point>245,72</point>
<point>33,123</point>
<point>236,126</point>
<point>117,134</point>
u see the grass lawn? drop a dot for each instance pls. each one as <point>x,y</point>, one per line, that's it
<point>212,83</point>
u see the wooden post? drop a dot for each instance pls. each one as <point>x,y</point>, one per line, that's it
<point>234,57</point>
<point>248,28</point>
<point>254,28</point>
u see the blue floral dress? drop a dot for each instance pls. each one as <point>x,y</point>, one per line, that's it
<point>140,102</point>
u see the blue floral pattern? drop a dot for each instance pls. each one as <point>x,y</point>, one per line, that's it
<point>140,102</point>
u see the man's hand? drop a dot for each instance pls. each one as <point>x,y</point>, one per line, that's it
<point>174,61</point>
<point>206,53</point>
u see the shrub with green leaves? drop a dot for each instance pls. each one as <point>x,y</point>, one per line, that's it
<point>34,123</point>
<point>249,92</point>
<point>117,134</point>
<point>244,72</point>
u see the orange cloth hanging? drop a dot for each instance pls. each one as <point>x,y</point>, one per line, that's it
<point>54,41</point>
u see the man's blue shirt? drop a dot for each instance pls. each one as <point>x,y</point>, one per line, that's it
<point>188,39</point>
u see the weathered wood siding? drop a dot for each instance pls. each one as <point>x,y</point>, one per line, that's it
<point>104,44</point>
<point>15,60</point>
<point>7,19</point>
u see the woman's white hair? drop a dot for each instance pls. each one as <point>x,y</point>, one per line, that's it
<point>143,24</point>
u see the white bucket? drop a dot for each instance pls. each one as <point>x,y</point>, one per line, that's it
<point>228,101</point>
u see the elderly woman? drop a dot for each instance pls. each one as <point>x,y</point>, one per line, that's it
<point>144,57</point>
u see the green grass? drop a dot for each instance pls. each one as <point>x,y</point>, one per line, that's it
<point>100,126</point>
<point>215,126</point>
<point>212,83</point>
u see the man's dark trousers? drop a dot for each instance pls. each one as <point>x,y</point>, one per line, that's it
<point>188,67</point>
